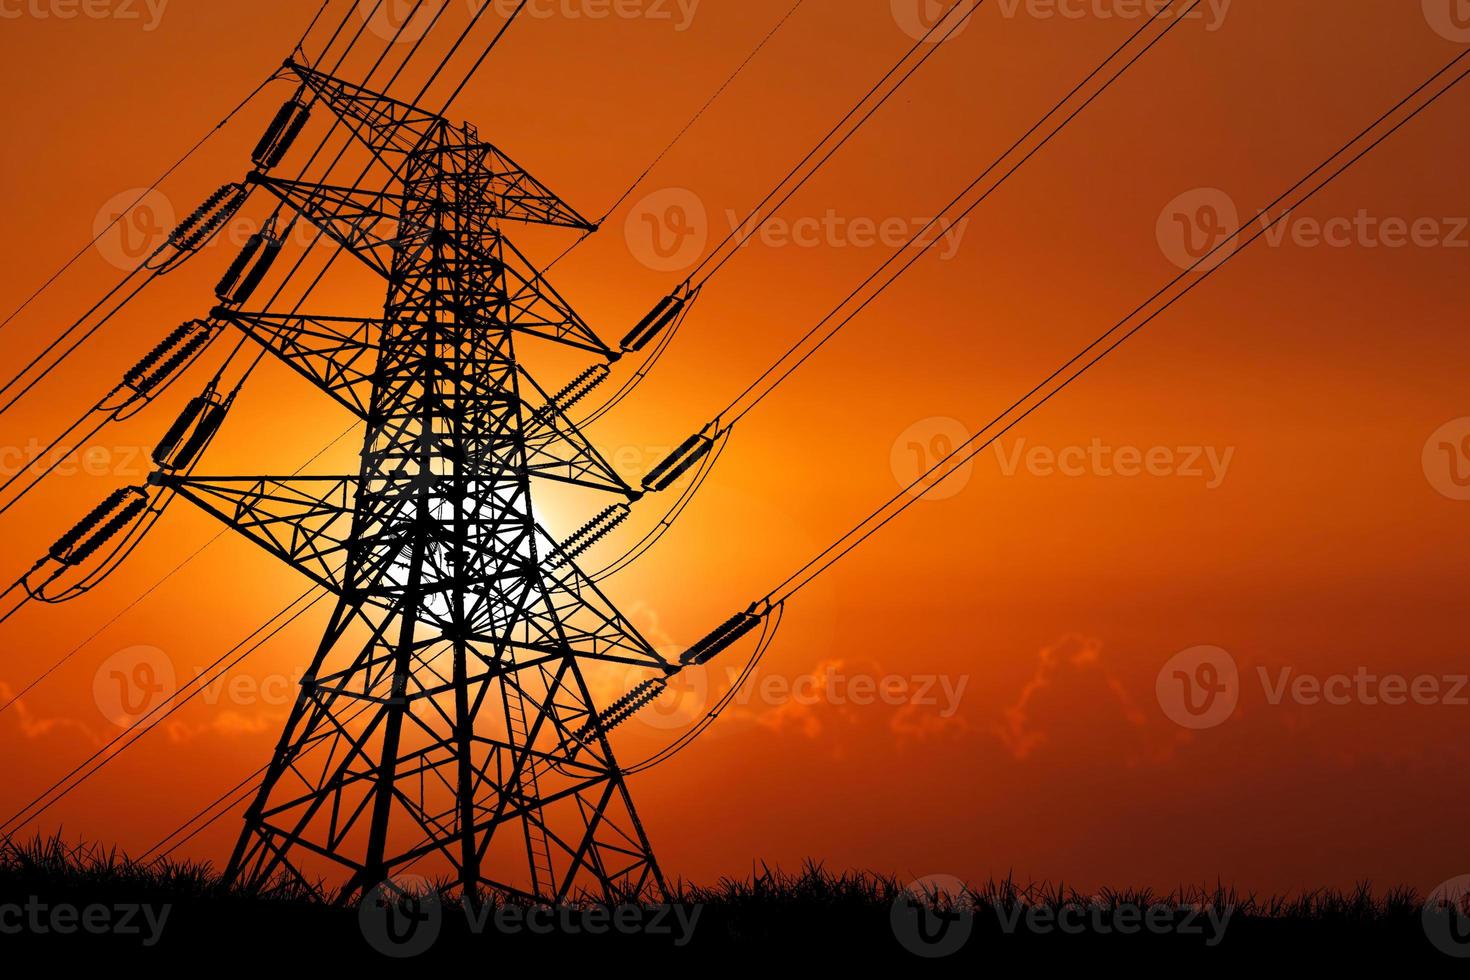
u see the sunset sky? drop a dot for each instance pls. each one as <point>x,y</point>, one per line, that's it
<point>1297,510</point>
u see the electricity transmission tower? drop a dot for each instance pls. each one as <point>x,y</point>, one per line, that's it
<point>448,712</point>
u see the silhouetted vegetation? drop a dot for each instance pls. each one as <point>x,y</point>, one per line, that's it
<point>184,910</point>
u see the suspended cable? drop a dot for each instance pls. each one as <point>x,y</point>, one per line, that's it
<point>341,26</point>
<point>158,847</point>
<point>748,228</point>
<point>664,525</point>
<point>155,586</point>
<point>917,247</point>
<point>772,625</point>
<point>135,394</point>
<point>698,449</point>
<point>1235,243</point>
<point>155,273</point>
<point>645,369</point>
<point>301,42</point>
<point>188,155</point>
<point>494,42</point>
<point>296,268</point>
<point>674,308</point>
<point>773,605</point>
<point>647,171</point>
<point>173,702</point>
<point>699,113</point>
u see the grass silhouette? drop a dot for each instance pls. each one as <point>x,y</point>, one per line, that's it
<point>812,915</point>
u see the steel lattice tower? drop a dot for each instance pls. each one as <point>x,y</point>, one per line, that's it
<point>448,713</point>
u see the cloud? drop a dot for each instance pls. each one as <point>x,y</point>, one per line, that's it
<point>796,713</point>
<point>920,723</point>
<point>32,726</point>
<point>838,697</point>
<point>226,724</point>
<point>1073,698</point>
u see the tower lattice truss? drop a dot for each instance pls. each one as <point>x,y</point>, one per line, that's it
<point>447,714</point>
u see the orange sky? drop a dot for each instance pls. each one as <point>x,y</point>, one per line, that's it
<point>1031,612</point>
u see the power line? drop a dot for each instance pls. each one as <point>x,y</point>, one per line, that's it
<point>699,113</point>
<point>188,155</point>
<point>774,603</point>
<point>65,658</point>
<point>719,429</point>
<point>336,253</point>
<point>24,815</point>
<point>494,42</point>
<point>41,804</point>
<point>933,46</point>
<point>299,262</point>
<point>917,247</point>
<point>973,446</point>
<point>670,314</point>
<point>19,376</point>
<point>153,187</point>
